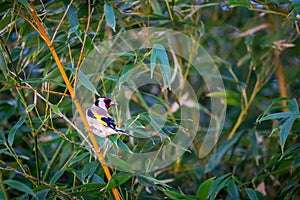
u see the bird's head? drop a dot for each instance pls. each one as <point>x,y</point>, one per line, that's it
<point>104,102</point>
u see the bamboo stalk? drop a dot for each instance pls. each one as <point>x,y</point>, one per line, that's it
<point>42,32</point>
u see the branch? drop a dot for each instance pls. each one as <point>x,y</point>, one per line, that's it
<point>42,32</point>
<point>54,188</point>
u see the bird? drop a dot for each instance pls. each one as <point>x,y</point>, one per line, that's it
<point>101,123</point>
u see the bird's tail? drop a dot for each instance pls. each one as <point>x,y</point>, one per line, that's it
<point>120,131</point>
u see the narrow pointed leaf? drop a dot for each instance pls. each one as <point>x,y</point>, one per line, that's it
<point>24,3</point>
<point>119,179</point>
<point>72,17</point>
<point>110,16</point>
<point>3,65</point>
<point>153,59</point>
<point>19,186</point>
<point>216,157</point>
<point>285,129</point>
<point>203,189</point>
<point>233,191</point>
<point>164,64</point>
<point>13,130</point>
<point>217,185</point>
<point>88,171</point>
<point>277,116</point>
<point>293,106</point>
<point>56,176</point>
<point>175,195</point>
<point>120,163</point>
<point>269,108</point>
<point>254,194</point>
<point>85,81</point>
<point>123,146</point>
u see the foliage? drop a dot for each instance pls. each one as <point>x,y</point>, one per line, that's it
<point>255,45</point>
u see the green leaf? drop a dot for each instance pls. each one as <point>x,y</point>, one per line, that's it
<point>56,176</point>
<point>119,179</point>
<point>153,59</point>
<point>114,139</point>
<point>123,146</point>
<point>284,131</point>
<point>269,108</point>
<point>42,194</point>
<point>217,185</point>
<point>277,116</point>
<point>254,194</point>
<point>296,161</point>
<point>126,73</point>
<point>293,106</point>
<point>276,127</point>
<point>159,52</point>
<point>30,107</point>
<point>251,193</point>
<point>5,21</point>
<point>203,189</point>
<point>110,16</point>
<point>72,15</point>
<point>79,158</point>
<point>24,3</point>
<point>176,195</point>
<point>2,195</point>
<point>84,80</point>
<point>3,64</point>
<point>13,130</point>
<point>73,29</point>
<point>97,179</point>
<point>19,186</point>
<point>88,171</point>
<point>148,180</point>
<point>154,124</point>
<point>55,109</point>
<point>232,98</point>
<point>238,3</point>
<point>290,150</point>
<point>120,163</point>
<point>216,157</point>
<point>233,191</point>
<point>88,43</point>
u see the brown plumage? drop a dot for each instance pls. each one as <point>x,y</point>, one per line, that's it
<point>101,123</point>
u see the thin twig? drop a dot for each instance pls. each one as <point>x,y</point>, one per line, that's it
<point>244,111</point>
<point>33,26</point>
<point>101,159</point>
<point>82,48</point>
<point>61,21</point>
<point>37,89</point>
<point>60,113</point>
<point>54,188</point>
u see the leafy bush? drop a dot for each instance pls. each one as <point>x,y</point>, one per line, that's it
<point>47,53</point>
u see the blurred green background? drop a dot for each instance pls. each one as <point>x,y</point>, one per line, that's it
<point>254,44</point>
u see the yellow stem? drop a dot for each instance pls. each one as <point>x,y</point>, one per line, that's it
<point>45,36</point>
<point>244,110</point>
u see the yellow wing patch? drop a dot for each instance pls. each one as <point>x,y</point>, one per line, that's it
<point>98,117</point>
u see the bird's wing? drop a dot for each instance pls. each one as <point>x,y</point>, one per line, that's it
<point>99,111</point>
<point>107,123</point>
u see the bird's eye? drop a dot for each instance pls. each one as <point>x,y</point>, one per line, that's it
<point>107,101</point>
<point>96,103</point>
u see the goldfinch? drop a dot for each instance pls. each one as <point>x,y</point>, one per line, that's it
<point>101,123</point>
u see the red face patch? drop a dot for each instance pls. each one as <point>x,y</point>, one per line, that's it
<point>107,102</point>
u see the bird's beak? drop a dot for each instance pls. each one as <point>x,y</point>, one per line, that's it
<point>112,103</point>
